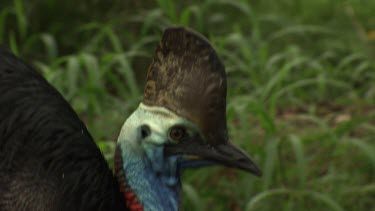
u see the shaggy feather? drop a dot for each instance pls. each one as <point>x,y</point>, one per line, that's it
<point>48,160</point>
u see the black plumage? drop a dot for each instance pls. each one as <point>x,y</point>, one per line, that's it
<point>48,160</point>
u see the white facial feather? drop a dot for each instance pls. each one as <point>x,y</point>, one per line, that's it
<point>158,119</point>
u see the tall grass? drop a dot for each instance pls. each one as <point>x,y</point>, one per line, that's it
<point>301,87</point>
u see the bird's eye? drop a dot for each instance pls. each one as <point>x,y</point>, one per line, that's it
<point>177,133</point>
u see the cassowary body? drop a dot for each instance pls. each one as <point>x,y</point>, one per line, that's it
<point>49,161</point>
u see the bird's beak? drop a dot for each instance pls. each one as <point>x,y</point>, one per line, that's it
<point>225,154</point>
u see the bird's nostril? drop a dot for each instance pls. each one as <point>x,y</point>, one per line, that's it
<point>145,131</point>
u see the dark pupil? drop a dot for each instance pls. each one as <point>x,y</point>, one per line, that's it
<point>177,133</point>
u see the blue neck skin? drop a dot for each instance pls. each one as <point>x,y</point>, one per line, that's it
<point>154,179</point>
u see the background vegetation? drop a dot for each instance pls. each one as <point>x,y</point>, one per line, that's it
<point>301,96</point>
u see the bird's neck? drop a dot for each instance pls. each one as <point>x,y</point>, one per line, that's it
<point>142,188</point>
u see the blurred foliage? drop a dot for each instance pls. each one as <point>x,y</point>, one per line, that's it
<point>301,87</point>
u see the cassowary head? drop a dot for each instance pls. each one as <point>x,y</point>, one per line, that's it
<point>181,123</point>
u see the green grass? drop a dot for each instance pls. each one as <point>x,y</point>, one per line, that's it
<point>301,87</point>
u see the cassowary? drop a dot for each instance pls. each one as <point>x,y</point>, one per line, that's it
<point>49,161</point>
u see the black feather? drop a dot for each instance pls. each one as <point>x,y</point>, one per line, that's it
<point>48,160</point>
